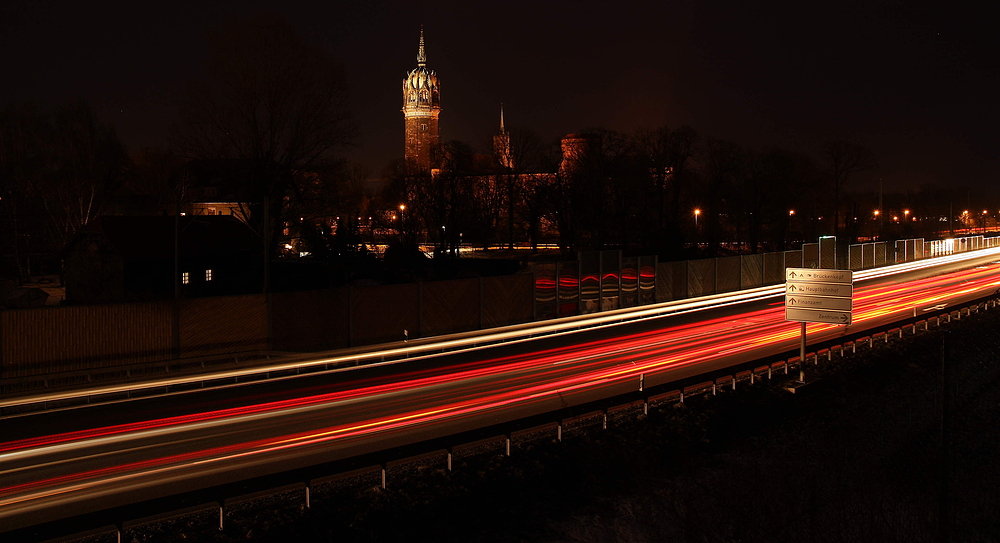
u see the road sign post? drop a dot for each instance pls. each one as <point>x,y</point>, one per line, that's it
<point>820,296</point>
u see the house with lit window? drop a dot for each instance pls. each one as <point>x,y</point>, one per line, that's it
<point>218,187</point>
<point>123,259</point>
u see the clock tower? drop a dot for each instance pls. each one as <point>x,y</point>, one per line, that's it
<point>421,107</point>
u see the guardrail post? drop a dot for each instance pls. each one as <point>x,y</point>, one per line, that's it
<point>714,391</point>
<point>559,432</point>
<point>508,445</point>
<point>221,515</point>
<point>308,502</point>
<point>604,425</point>
<point>383,477</point>
<point>449,459</point>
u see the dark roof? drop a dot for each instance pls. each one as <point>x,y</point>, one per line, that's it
<point>153,237</point>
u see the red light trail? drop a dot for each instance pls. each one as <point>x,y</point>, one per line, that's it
<point>96,467</point>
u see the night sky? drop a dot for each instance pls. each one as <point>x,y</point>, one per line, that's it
<point>916,84</point>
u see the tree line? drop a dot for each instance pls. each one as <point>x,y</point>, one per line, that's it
<point>668,191</point>
<point>278,106</point>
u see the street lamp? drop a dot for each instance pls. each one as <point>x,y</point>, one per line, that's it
<point>697,212</point>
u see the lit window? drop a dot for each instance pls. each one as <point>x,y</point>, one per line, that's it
<point>423,127</point>
<point>185,278</point>
<point>212,211</point>
<point>208,275</point>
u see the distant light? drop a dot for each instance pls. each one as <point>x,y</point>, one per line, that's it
<point>697,212</point>
<point>876,212</point>
<point>791,212</point>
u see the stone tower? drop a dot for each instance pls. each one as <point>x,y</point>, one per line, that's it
<point>421,107</point>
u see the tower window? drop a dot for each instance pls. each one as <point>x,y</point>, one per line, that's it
<point>208,275</point>
<point>423,127</point>
<point>185,278</point>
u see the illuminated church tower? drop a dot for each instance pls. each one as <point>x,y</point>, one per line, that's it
<point>501,145</point>
<point>421,107</point>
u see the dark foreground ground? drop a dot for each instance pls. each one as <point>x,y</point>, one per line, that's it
<point>855,457</point>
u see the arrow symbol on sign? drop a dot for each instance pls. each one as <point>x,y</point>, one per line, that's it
<point>843,318</point>
<point>791,288</point>
<point>792,275</point>
<point>791,301</point>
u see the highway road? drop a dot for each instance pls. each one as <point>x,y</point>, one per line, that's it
<point>54,465</point>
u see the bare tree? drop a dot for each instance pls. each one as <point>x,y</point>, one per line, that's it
<point>273,101</point>
<point>845,159</point>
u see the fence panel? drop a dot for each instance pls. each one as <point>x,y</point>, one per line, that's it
<point>630,282</point>
<point>868,256</point>
<point>569,289</point>
<point>774,268</point>
<point>53,339</point>
<point>381,313</point>
<point>727,274</point>
<point>751,271</point>
<point>899,252</point>
<point>880,254</point>
<point>793,259</point>
<point>671,281</point>
<point>223,324</point>
<point>448,307</point>
<point>590,281</point>
<point>810,255</point>
<point>507,300</point>
<point>855,257</point>
<point>700,277</point>
<point>647,280</point>
<point>545,290</point>
<point>611,265</point>
<point>312,320</point>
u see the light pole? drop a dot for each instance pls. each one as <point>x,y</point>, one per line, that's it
<point>697,212</point>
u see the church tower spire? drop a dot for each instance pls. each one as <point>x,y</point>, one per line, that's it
<point>501,145</point>
<point>421,55</point>
<point>421,107</point>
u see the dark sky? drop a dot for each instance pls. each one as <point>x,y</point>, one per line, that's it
<point>916,84</point>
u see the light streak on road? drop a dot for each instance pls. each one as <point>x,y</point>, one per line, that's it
<point>97,467</point>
